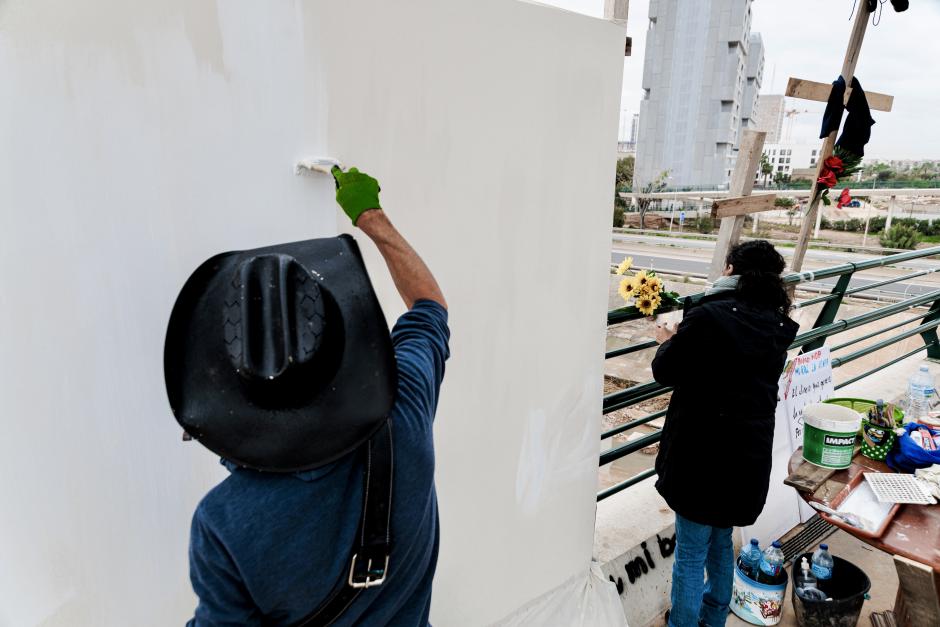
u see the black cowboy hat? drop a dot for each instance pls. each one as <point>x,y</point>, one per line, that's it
<point>279,358</point>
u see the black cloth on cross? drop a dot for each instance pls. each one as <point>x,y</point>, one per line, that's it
<point>899,5</point>
<point>857,129</point>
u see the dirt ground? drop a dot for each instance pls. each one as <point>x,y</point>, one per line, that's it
<point>628,414</point>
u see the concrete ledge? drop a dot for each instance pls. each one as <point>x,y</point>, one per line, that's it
<point>634,540</point>
<point>628,518</point>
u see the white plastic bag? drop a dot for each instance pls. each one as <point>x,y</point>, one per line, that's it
<point>586,600</point>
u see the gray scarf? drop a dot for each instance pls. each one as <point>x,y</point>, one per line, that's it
<point>723,284</point>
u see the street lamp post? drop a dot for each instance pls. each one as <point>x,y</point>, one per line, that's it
<point>867,212</point>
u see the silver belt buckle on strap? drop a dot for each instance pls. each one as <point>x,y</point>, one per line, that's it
<point>369,581</point>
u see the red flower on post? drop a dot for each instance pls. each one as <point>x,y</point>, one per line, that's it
<point>835,164</point>
<point>827,179</point>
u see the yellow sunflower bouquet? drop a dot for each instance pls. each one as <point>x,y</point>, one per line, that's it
<point>645,290</point>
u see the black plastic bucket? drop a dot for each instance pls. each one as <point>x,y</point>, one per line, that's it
<point>848,588</point>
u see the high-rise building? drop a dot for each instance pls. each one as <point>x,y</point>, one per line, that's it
<point>754,76</point>
<point>700,77</point>
<point>770,110</point>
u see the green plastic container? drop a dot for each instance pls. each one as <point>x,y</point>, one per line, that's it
<point>862,406</point>
<point>877,441</point>
<point>829,434</point>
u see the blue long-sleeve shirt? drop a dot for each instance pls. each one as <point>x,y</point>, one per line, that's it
<point>267,548</point>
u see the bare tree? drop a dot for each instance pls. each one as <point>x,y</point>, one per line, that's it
<point>789,204</point>
<point>653,187</point>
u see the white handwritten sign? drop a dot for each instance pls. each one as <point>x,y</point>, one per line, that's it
<point>806,380</point>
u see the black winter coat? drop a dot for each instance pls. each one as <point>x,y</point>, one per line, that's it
<point>715,454</point>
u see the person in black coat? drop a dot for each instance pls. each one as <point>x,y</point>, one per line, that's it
<point>724,361</point>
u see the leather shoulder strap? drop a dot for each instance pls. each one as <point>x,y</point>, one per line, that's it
<point>368,565</point>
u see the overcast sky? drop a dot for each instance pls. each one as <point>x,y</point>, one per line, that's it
<point>807,39</point>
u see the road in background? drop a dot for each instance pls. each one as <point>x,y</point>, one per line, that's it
<point>693,257</point>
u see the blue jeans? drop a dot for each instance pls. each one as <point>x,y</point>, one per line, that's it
<point>700,549</point>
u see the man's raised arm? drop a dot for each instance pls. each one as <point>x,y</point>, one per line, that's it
<point>358,194</point>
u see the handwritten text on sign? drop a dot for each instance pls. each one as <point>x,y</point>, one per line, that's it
<point>807,380</point>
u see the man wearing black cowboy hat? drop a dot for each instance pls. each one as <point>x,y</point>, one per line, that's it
<point>279,360</point>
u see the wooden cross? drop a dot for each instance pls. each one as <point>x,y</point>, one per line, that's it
<point>739,203</point>
<point>811,90</point>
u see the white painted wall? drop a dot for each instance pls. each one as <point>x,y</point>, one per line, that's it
<point>141,137</point>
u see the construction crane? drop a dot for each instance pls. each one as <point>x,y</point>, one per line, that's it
<point>790,115</point>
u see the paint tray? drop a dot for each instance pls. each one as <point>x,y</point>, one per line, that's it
<point>859,498</point>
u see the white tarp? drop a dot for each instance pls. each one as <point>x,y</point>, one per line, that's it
<point>586,600</point>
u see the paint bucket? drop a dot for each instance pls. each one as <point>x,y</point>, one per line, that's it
<point>847,589</point>
<point>829,435</point>
<point>757,603</point>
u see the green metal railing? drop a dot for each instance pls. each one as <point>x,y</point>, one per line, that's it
<point>825,327</point>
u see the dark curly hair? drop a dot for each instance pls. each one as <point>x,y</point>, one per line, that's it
<point>759,267</point>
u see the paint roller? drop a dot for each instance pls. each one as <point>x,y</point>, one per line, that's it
<point>324,165</point>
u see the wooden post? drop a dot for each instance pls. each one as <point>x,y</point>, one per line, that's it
<point>848,72</point>
<point>918,602</point>
<point>743,205</point>
<point>742,182</point>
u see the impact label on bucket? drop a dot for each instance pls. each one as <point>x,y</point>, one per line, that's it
<point>829,437</point>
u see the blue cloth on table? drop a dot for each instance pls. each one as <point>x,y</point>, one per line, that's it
<point>907,456</point>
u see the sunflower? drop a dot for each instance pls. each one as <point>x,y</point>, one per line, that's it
<point>625,265</point>
<point>655,284</point>
<point>641,278</point>
<point>627,287</point>
<point>647,293</point>
<point>647,305</point>
<point>646,289</point>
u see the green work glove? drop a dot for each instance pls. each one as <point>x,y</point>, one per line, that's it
<point>356,192</point>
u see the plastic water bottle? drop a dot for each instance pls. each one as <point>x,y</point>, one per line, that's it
<point>933,402</point>
<point>749,559</point>
<point>921,393</point>
<point>771,565</point>
<point>822,563</point>
<point>806,584</point>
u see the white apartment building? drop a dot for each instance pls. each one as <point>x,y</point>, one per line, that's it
<point>784,158</point>
<point>701,76</point>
